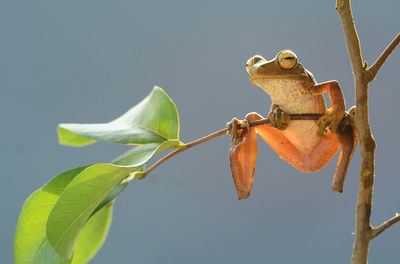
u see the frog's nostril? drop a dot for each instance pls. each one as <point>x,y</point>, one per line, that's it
<point>249,65</point>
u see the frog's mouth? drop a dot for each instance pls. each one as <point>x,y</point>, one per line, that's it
<point>259,80</point>
<point>265,80</point>
<point>272,84</point>
<point>281,87</point>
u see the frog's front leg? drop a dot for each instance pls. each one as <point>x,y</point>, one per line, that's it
<point>333,119</point>
<point>333,116</point>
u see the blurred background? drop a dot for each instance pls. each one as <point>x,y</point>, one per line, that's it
<point>90,61</point>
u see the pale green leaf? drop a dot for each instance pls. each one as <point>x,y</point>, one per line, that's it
<point>136,157</point>
<point>93,235</point>
<point>67,137</point>
<point>139,155</point>
<point>77,203</point>
<point>30,245</point>
<point>117,190</point>
<point>153,120</point>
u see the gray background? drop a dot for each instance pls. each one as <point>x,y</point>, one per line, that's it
<point>89,61</point>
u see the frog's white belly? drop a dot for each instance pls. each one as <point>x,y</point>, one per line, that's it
<point>288,96</point>
<point>303,135</point>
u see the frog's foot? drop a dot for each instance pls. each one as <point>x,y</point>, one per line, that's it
<point>279,119</point>
<point>329,120</point>
<point>347,119</point>
<point>232,129</point>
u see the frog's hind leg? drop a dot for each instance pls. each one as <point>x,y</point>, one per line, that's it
<point>242,158</point>
<point>348,141</point>
<point>323,153</point>
<point>315,161</point>
<point>278,142</point>
<point>282,146</point>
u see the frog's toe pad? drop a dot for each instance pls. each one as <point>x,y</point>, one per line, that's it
<point>253,116</point>
<point>329,121</point>
<point>232,127</point>
<point>278,118</point>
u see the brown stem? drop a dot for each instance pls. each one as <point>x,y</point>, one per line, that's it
<point>217,134</point>
<point>374,69</point>
<point>363,229</point>
<point>189,145</point>
<point>367,143</point>
<point>376,231</point>
<point>292,117</point>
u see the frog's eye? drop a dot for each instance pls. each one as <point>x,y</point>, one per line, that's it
<point>253,60</point>
<point>287,59</point>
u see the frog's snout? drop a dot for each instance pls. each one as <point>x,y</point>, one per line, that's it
<point>251,62</point>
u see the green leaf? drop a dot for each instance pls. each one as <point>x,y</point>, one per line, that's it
<point>136,157</point>
<point>77,203</point>
<point>139,155</point>
<point>117,190</point>
<point>153,120</point>
<point>67,137</point>
<point>30,245</point>
<point>95,231</point>
<point>93,235</point>
<point>66,205</point>
<point>47,255</point>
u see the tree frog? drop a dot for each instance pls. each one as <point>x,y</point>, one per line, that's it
<point>307,145</point>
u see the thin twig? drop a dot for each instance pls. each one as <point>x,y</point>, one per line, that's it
<point>376,231</point>
<point>217,134</point>
<point>292,117</point>
<point>188,146</point>
<point>376,66</point>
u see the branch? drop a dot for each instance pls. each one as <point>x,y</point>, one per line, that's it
<point>350,33</point>
<point>362,234</point>
<point>376,66</point>
<point>376,231</point>
<point>292,117</point>
<point>142,174</point>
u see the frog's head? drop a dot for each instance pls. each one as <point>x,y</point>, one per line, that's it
<point>284,66</point>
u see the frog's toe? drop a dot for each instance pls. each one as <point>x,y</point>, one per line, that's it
<point>334,125</point>
<point>253,116</point>
<point>321,132</point>
<point>232,127</point>
<point>245,124</point>
<point>329,121</point>
<point>346,120</point>
<point>278,118</point>
<point>284,119</point>
<point>271,117</point>
<point>323,124</point>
